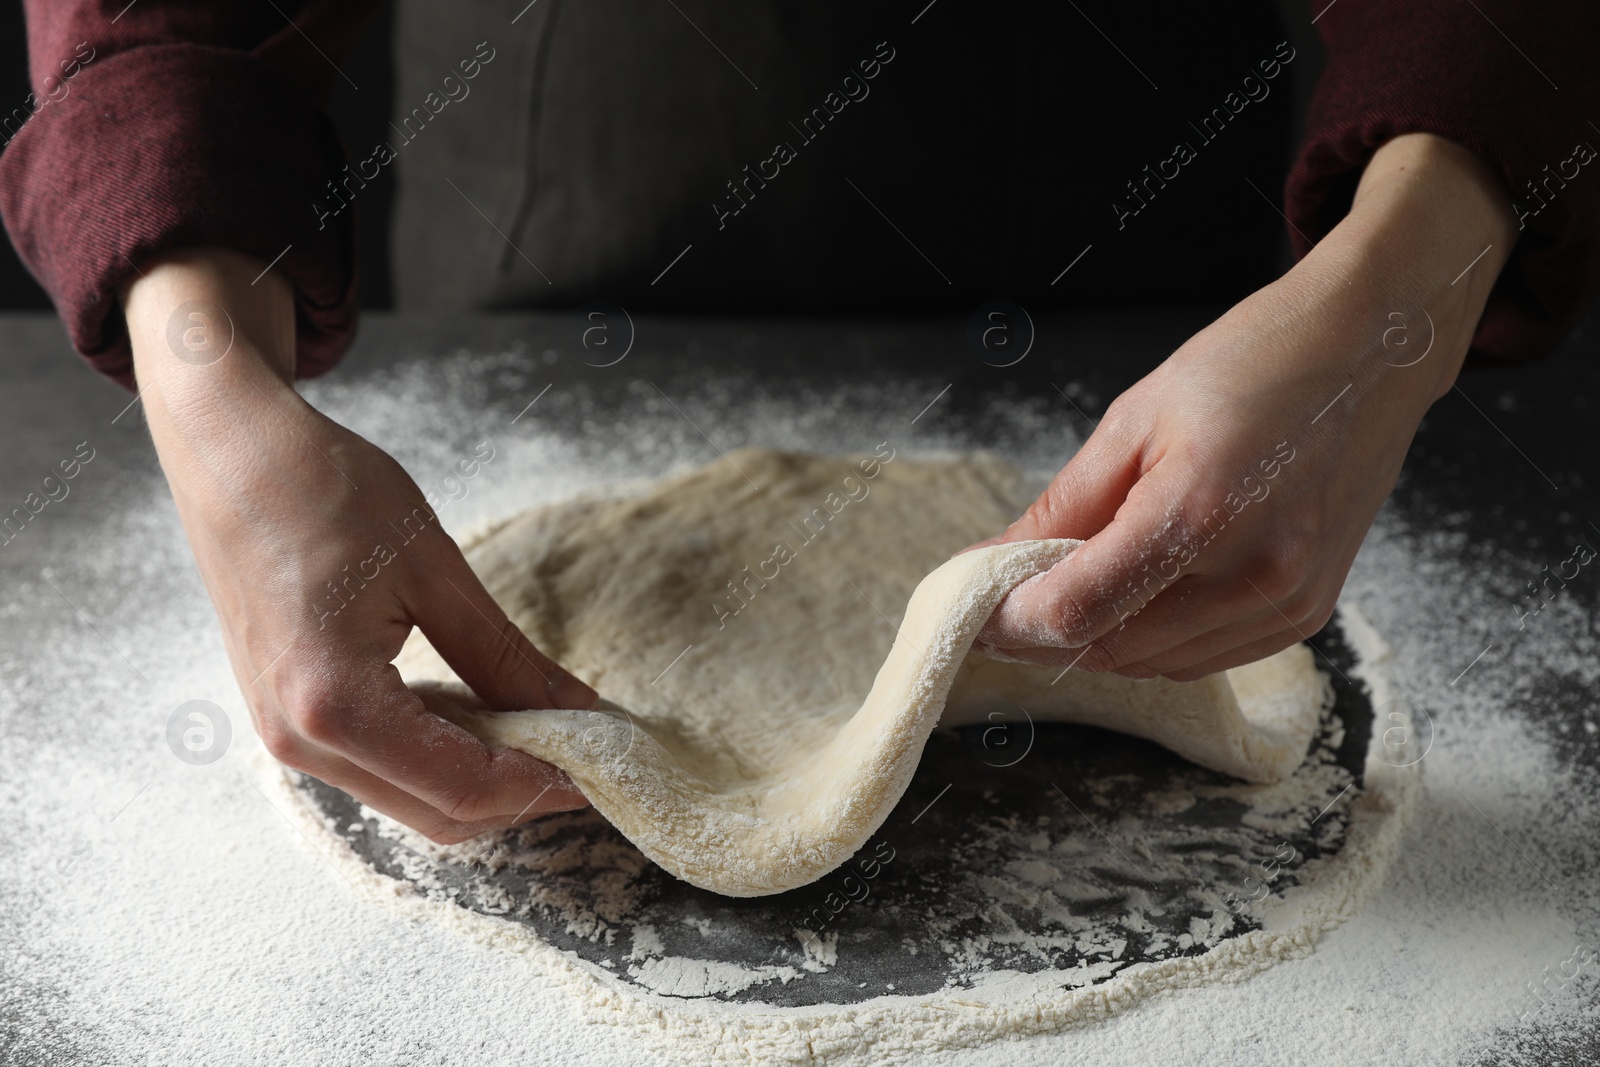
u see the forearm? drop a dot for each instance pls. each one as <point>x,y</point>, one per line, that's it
<point>1429,230</point>
<point>209,333</point>
<point>213,341</point>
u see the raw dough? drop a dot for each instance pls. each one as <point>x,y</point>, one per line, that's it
<point>739,613</point>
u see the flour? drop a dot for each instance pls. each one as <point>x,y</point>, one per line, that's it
<point>680,976</point>
<point>822,950</point>
<point>988,1002</point>
<point>194,925</point>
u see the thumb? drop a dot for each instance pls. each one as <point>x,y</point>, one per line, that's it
<point>1083,498</point>
<point>473,635</point>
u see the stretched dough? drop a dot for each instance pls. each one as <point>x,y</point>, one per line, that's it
<point>749,798</point>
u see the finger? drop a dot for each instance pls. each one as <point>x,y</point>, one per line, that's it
<point>1105,581</point>
<point>393,801</point>
<point>396,803</point>
<point>379,725</point>
<point>1188,610</point>
<point>1237,657</point>
<point>1084,497</point>
<point>472,633</point>
<point>1217,642</point>
<point>1039,657</point>
<point>1301,614</point>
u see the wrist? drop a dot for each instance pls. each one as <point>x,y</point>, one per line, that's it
<point>205,321</point>
<point>212,333</point>
<point>1429,230</point>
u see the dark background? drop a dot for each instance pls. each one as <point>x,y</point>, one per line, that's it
<point>17,287</point>
<point>362,119</point>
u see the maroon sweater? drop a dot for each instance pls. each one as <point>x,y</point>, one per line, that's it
<point>173,125</point>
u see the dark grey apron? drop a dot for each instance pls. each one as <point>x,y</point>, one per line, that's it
<point>751,156</point>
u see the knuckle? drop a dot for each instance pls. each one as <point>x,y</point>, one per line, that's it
<point>1073,625</point>
<point>1038,516</point>
<point>1200,518</point>
<point>1297,547</point>
<point>1118,411</point>
<point>1108,653</point>
<point>511,653</point>
<point>281,744</point>
<point>1175,545</point>
<point>1319,614</point>
<point>1137,670</point>
<point>1301,604</point>
<point>1095,659</point>
<point>1301,548</point>
<point>1281,572</point>
<point>470,804</point>
<point>318,718</point>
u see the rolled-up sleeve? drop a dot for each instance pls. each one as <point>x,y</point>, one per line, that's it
<point>156,126</point>
<point>1515,82</point>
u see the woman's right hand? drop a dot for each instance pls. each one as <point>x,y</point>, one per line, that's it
<point>320,554</point>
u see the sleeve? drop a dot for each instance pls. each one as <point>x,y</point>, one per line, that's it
<point>1511,80</point>
<point>171,123</point>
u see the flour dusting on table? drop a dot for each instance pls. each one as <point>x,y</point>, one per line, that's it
<point>158,912</point>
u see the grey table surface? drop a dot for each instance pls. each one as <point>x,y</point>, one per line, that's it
<point>1507,460</point>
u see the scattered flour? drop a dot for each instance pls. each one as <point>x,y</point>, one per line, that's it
<point>991,1005</point>
<point>156,912</point>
